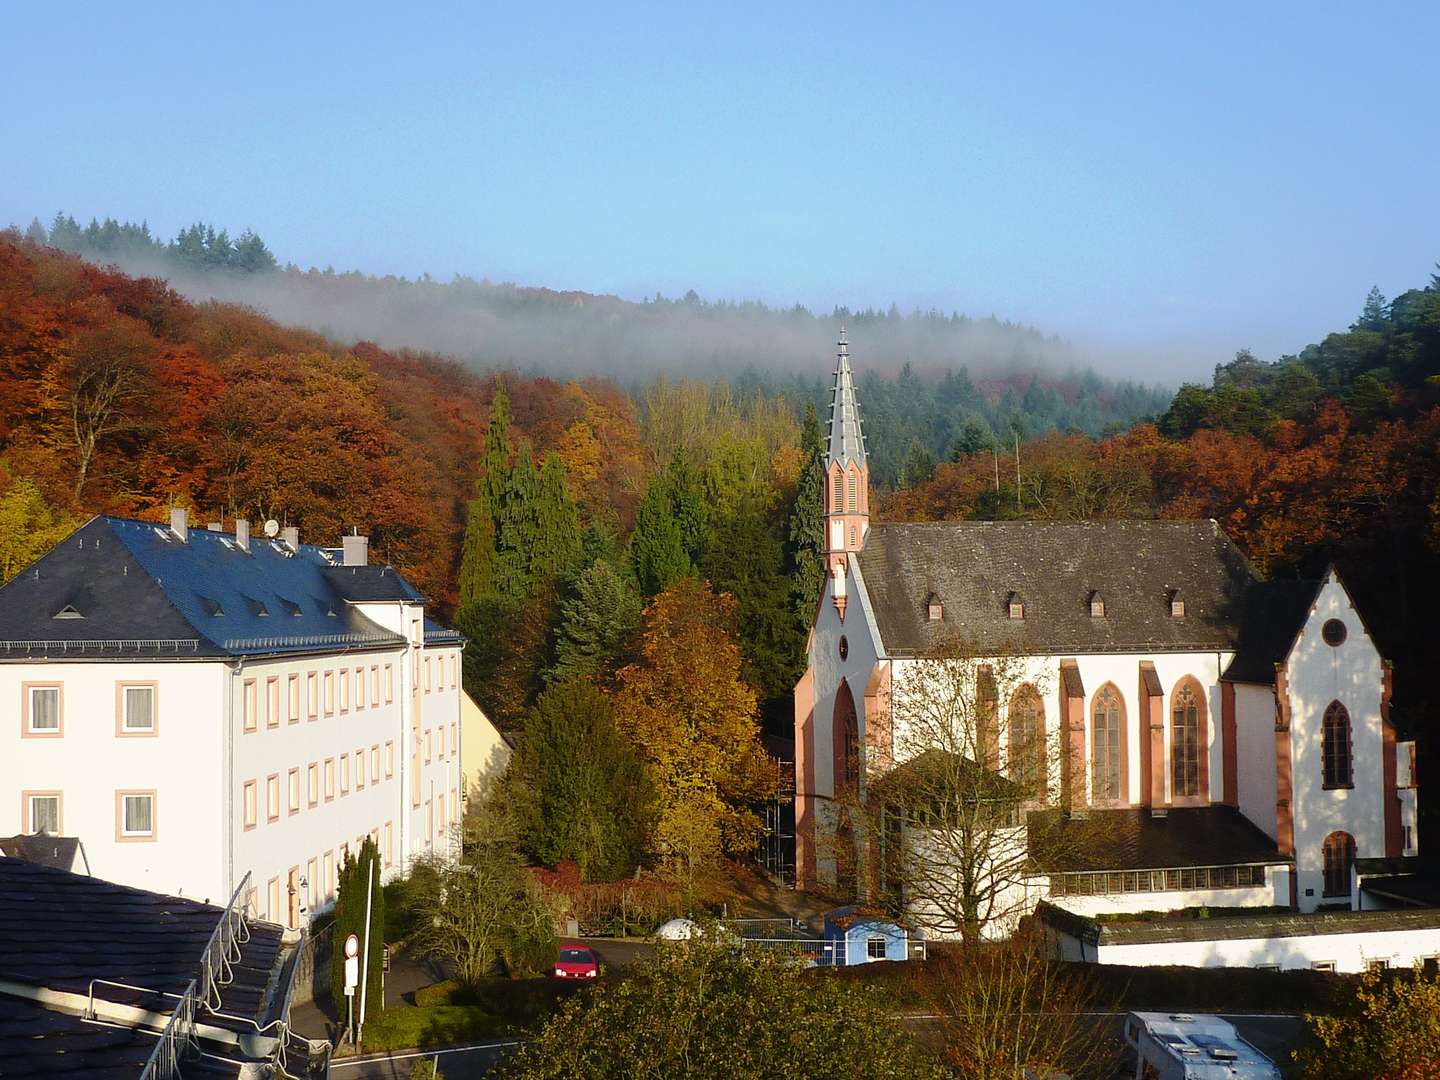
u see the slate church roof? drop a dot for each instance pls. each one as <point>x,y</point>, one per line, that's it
<point>116,588</point>
<point>975,568</point>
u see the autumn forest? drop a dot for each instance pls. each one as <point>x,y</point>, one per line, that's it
<point>639,539</point>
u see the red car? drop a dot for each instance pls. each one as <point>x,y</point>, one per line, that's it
<point>577,962</point>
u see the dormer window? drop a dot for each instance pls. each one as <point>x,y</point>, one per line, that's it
<point>68,612</point>
<point>1016,606</point>
<point>1097,606</point>
<point>1177,606</point>
<point>934,609</point>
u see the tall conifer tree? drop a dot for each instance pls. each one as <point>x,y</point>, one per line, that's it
<point>557,524</point>
<point>805,545</point>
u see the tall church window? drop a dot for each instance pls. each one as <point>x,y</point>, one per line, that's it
<point>1107,734</point>
<point>1027,740</point>
<point>851,500</point>
<point>1335,748</point>
<point>1185,743</point>
<point>845,738</point>
<point>1339,855</point>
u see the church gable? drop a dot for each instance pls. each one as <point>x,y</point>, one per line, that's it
<point>1085,587</point>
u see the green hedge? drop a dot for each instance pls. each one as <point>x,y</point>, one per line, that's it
<point>406,1027</point>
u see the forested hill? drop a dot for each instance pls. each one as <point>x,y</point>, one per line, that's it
<point>1024,378</point>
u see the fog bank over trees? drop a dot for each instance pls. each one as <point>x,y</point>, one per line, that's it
<point>563,333</point>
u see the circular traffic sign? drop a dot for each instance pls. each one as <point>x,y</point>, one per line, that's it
<point>352,945</point>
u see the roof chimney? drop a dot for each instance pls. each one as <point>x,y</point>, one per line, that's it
<point>178,524</point>
<point>242,533</point>
<point>356,549</point>
<point>291,535</point>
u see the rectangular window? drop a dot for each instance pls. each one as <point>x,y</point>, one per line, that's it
<point>441,731</point>
<point>312,880</point>
<point>272,899</point>
<point>344,774</point>
<point>329,875</point>
<point>360,769</point>
<point>345,690</point>
<point>312,775</point>
<point>272,701</point>
<point>272,797</point>
<point>429,745</point>
<point>389,758</point>
<point>389,844</point>
<point>329,778</point>
<point>42,812</point>
<point>389,683</point>
<point>375,764</point>
<point>440,812</point>
<point>375,684</point>
<point>250,801</point>
<point>137,815</point>
<point>137,708</point>
<point>455,736</point>
<point>427,674</point>
<point>1323,965</point>
<point>42,709</point>
<point>875,947</point>
<point>312,693</point>
<point>294,699</point>
<point>454,663</point>
<point>429,821</point>
<point>359,688</point>
<point>294,783</point>
<point>1376,965</point>
<point>329,693</point>
<point>251,705</point>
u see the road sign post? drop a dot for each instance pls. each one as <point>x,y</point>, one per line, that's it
<point>352,976</point>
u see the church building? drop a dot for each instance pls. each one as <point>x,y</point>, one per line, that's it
<point>1224,740</point>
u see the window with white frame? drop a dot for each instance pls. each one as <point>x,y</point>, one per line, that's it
<point>359,688</point>
<point>312,693</point>
<point>389,759</point>
<point>344,690</point>
<point>875,947</point>
<point>313,778</point>
<point>272,701</point>
<point>272,797</point>
<point>344,774</point>
<point>375,764</point>
<point>43,813</point>
<point>329,778</point>
<point>293,778</point>
<point>374,684</point>
<point>249,801</point>
<point>359,768</point>
<point>251,705</point>
<point>137,814</point>
<point>43,710</point>
<point>389,683</point>
<point>329,693</point>
<point>137,705</point>
<point>294,684</point>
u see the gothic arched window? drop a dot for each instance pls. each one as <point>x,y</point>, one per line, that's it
<point>1186,743</point>
<point>846,740</point>
<point>1339,855</point>
<point>1335,747</point>
<point>1107,747</point>
<point>1027,740</point>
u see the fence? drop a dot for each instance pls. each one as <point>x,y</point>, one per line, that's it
<point>821,952</point>
<point>176,1041</point>
<point>223,950</point>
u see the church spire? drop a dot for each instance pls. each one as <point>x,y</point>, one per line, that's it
<point>847,441</point>
<point>847,478</point>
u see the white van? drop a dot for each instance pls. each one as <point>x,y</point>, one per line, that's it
<point>1186,1046</point>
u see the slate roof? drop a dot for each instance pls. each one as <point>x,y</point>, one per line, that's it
<point>55,851</point>
<point>1274,613</point>
<point>1054,567</point>
<point>1133,839</point>
<point>61,930</point>
<point>141,592</point>
<point>846,443</point>
<point>1237,926</point>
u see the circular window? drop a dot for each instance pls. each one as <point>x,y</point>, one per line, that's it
<point>1333,632</point>
<point>844,647</point>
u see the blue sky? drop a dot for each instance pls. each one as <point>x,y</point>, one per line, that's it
<point>1173,184</point>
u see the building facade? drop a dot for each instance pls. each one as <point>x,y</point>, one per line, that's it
<point>1222,740</point>
<point>196,704</point>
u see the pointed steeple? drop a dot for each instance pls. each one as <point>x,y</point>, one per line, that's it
<point>847,441</point>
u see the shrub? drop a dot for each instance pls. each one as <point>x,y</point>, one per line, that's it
<point>406,1027</point>
<point>635,906</point>
<point>1391,1028</point>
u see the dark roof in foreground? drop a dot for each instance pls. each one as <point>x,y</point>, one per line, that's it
<point>1238,927</point>
<point>1133,839</point>
<point>973,568</point>
<point>61,930</point>
<point>56,851</point>
<point>116,588</point>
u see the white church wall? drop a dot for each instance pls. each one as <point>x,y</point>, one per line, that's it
<point>1168,900</point>
<point>1318,674</point>
<point>1255,754</point>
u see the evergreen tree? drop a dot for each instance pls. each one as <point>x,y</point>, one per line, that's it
<point>974,438</point>
<point>689,505</point>
<point>805,539</point>
<point>919,466</point>
<point>556,550</point>
<point>251,254</point>
<point>657,549</point>
<point>590,800</point>
<point>36,232</point>
<point>596,623</point>
<point>350,919</point>
<point>517,532</point>
<point>477,553</point>
<point>1373,316</point>
<point>65,233</point>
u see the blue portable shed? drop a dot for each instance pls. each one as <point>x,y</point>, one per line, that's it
<point>858,935</point>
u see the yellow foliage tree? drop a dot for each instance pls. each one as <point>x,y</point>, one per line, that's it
<point>29,527</point>
<point>1393,1031</point>
<point>694,721</point>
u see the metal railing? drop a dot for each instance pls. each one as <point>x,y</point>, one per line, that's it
<point>821,952</point>
<point>113,645</point>
<point>223,950</point>
<point>288,641</point>
<point>176,1041</point>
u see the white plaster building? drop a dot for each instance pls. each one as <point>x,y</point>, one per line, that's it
<point>1225,740</point>
<point>195,705</point>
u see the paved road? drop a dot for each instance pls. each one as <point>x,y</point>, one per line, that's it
<point>456,1063</point>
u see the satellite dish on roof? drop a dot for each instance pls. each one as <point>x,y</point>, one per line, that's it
<point>272,528</point>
